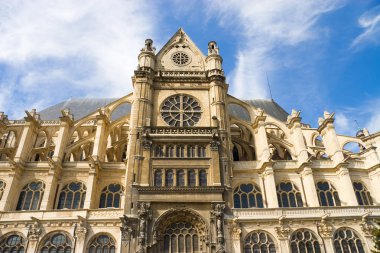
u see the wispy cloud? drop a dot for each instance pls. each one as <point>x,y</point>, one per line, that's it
<point>55,49</point>
<point>265,27</point>
<point>370,22</point>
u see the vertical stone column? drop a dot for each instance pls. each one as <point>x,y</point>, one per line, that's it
<point>32,123</point>
<point>283,232</point>
<point>261,141</point>
<point>325,231</point>
<point>330,140</point>
<point>128,234</point>
<point>11,191</point>
<point>101,135</point>
<point>91,183</point>
<point>270,187</point>
<point>144,216</point>
<point>50,187</point>
<point>217,214</point>
<point>146,173</point>
<point>34,233</point>
<point>80,234</point>
<point>375,183</point>
<point>368,227</point>
<point>235,235</point>
<point>346,189</point>
<point>294,124</point>
<point>309,186</point>
<point>63,135</point>
<point>215,169</point>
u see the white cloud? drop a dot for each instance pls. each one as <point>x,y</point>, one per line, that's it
<point>267,26</point>
<point>370,22</point>
<point>57,47</point>
<point>342,124</point>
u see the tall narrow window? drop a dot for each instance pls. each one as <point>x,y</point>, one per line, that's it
<point>202,178</point>
<point>201,151</point>
<point>102,244</point>
<point>180,151</point>
<point>57,242</point>
<point>347,241</point>
<point>247,196</point>
<point>110,196</point>
<point>169,178</point>
<point>180,178</point>
<point>31,196</point>
<point>72,196</point>
<point>327,194</point>
<point>169,151</point>
<point>158,178</point>
<point>12,243</point>
<point>304,240</point>
<point>191,177</point>
<point>2,187</point>
<point>190,151</point>
<point>158,152</point>
<point>259,242</point>
<point>362,194</point>
<point>288,195</point>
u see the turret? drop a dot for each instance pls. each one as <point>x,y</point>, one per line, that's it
<point>147,57</point>
<point>214,60</point>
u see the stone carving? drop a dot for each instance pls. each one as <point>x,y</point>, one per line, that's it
<point>283,230</point>
<point>324,228</point>
<point>367,226</point>
<point>144,214</point>
<point>81,230</point>
<point>34,231</point>
<point>128,229</point>
<point>218,214</point>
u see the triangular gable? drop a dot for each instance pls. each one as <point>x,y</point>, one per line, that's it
<point>180,54</point>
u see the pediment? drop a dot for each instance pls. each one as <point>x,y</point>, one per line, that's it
<point>180,54</point>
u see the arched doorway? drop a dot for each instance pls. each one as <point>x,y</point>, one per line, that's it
<point>179,230</point>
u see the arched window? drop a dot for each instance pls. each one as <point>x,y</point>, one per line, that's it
<point>347,241</point>
<point>158,178</point>
<point>169,151</point>
<point>31,196</point>
<point>2,187</point>
<point>288,195</point>
<point>304,240</point>
<point>191,179</point>
<point>169,178</point>
<point>362,194</point>
<point>201,151</point>
<point>72,196</point>
<point>181,237</point>
<point>259,242</point>
<point>102,243</point>
<point>110,196</point>
<point>180,151</point>
<point>235,153</point>
<point>202,178</point>
<point>190,151</point>
<point>327,194</point>
<point>57,242</point>
<point>12,243</point>
<point>180,178</point>
<point>158,152</point>
<point>248,195</point>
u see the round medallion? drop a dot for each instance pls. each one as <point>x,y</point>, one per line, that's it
<point>180,58</point>
<point>181,110</point>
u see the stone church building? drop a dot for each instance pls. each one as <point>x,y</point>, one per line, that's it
<point>179,165</point>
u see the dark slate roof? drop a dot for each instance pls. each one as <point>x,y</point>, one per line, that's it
<point>81,107</point>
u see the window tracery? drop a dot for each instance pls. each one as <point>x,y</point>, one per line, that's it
<point>362,194</point>
<point>259,242</point>
<point>57,242</point>
<point>347,241</point>
<point>288,195</point>
<point>72,196</point>
<point>111,196</point>
<point>327,194</point>
<point>158,178</point>
<point>181,237</point>
<point>12,243</point>
<point>31,196</point>
<point>304,240</point>
<point>202,178</point>
<point>102,244</point>
<point>181,111</point>
<point>247,196</point>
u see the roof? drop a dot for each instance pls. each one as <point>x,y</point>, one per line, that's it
<point>81,107</point>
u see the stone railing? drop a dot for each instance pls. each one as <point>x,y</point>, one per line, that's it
<point>182,131</point>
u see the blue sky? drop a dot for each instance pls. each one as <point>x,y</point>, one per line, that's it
<point>318,55</point>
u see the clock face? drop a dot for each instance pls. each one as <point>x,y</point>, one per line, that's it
<point>180,58</point>
<point>181,110</point>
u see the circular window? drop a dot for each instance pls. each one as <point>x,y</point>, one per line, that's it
<point>180,58</point>
<point>181,111</point>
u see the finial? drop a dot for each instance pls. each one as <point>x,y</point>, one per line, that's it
<point>148,46</point>
<point>213,48</point>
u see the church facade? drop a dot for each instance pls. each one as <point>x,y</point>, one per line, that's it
<point>179,165</point>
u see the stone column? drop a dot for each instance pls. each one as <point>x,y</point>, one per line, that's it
<point>144,215</point>
<point>215,164</point>
<point>235,235</point>
<point>294,124</point>
<point>217,214</point>
<point>283,232</point>
<point>375,183</point>
<point>27,136</point>
<point>311,195</point>
<point>260,134</point>
<point>34,233</point>
<point>12,190</point>
<point>101,135</point>
<point>346,189</point>
<point>146,173</point>
<point>368,226</point>
<point>47,201</point>
<point>63,135</point>
<point>270,187</point>
<point>128,234</point>
<point>80,235</point>
<point>91,183</point>
<point>325,231</point>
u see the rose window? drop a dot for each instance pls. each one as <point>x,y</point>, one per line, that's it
<point>180,58</point>
<point>181,111</point>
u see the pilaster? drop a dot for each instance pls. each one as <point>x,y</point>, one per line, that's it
<point>63,135</point>
<point>346,189</point>
<point>309,186</point>
<point>270,187</point>
<point>294,124</point>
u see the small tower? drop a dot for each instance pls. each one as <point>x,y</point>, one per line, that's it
<point>214,60</point>
<point>147,56</point>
